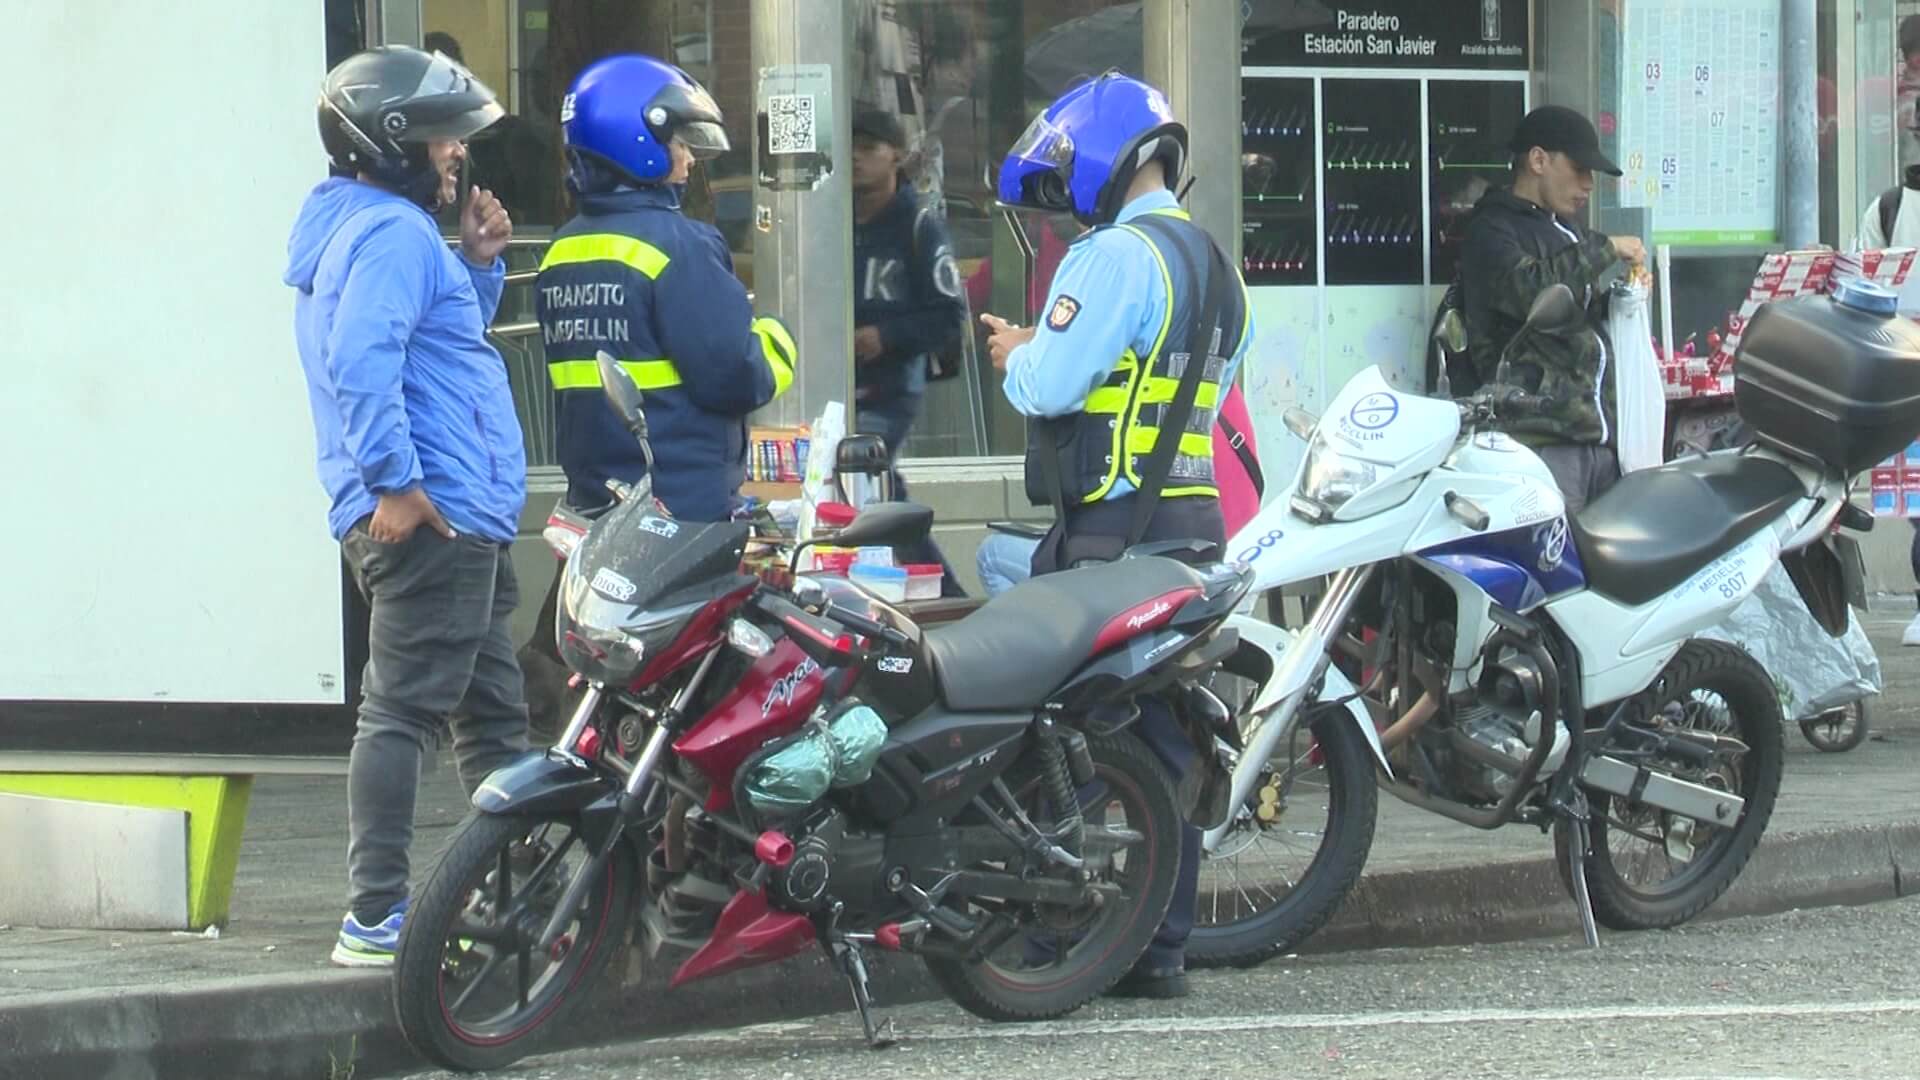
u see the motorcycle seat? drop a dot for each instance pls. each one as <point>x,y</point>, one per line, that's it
<point>1023,644</point>
<point>1657,527</point>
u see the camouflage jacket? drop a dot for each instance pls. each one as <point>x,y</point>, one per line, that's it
<point>1514,250</point>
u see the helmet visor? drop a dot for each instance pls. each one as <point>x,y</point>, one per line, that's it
<point>706,141</point>
<point>448,103</point>
<point>1043,143</point>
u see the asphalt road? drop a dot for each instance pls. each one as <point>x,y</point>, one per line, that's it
<point>1810,994</point>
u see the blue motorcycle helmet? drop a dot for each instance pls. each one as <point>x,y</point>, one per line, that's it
<point>622,112</point>
<point>1082,153</point>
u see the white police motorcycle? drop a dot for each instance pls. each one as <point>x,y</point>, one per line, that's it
<point>1516,664</point>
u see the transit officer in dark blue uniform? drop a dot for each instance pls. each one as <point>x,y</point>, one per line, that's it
<point>1098,376</point>
<point>634,276</point>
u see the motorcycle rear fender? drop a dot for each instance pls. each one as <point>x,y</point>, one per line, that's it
<point>1269,643</point>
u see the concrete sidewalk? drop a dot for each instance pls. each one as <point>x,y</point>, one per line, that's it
<point>261,1000</point>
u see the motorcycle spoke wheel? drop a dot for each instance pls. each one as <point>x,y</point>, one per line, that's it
<point>1292,852</point>
<point>1649,869</point>
<point>1837,731</point>
<point>474,989</point>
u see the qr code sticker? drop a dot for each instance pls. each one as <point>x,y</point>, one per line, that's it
<point>790,123</point>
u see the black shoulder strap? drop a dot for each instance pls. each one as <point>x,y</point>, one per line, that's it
<point>1212,282</point>
<point>1889,211</point>
<point>1251,464</point>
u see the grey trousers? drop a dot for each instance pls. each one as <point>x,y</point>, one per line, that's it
<point>1583,471</point>
<point>439,648</point>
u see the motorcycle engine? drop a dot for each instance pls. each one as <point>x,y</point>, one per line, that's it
<point>1505,717</point>
<point>829,863</point>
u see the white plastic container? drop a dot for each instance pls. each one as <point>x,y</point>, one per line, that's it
<point>887,583</point>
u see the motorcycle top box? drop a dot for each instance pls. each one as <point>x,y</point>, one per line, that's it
<point>1836,379</point>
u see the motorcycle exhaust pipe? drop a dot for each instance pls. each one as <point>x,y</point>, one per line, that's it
<point>1710,806</point>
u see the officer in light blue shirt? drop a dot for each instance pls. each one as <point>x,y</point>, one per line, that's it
<point>1052,373</point>
<point>1099,377</point>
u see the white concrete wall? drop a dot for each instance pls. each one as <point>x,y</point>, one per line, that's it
<point>159,543</point>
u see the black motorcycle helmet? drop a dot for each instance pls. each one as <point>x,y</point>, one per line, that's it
<point>380,108</point>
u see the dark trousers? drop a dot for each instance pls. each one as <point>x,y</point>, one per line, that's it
<point>1582,471</point>
<point>1185,518</point>
<point>439,649</point>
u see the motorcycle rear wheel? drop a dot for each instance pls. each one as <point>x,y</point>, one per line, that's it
<point>486,896</point>
<point>1097,953</point>
<point>1837,731</point>
<point>1700,673</point>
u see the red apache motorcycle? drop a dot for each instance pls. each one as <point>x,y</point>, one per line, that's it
<point>753,770</point>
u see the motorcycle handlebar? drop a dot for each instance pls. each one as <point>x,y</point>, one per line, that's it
<point>1504,402</point>
<point>853,620</point>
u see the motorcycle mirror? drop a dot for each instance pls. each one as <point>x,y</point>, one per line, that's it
<point>1301,422</point>
<point>622,393</point>
<point>1554,311</point>
<point>1451,332</point>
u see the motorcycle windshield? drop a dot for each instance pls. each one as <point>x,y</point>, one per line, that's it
<point>637,555</point>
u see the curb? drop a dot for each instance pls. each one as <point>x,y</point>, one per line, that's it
<point>340,1024</point>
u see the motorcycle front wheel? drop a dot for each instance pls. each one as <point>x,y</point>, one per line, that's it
<point>472,989</point>
<point>1293,852</point>
<point>1648,869</point>
<point>1047,960</point>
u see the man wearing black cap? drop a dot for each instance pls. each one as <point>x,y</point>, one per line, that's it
<point>1521,240</point>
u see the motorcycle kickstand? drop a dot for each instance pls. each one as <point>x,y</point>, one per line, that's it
<point>1576,810</point>
<point>853,964</point>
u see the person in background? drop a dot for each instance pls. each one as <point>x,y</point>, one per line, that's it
<point>1125,300</point>
<point>907,300</point>
<point>419,448</point>
<point>1520,240</point>
<point>633,276</point>
<point>1892,220</point>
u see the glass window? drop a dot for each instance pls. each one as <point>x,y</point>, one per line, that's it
<point>959,79</point>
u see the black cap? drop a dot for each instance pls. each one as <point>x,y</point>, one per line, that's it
<point>880,126</point>
<point>1556,128</point>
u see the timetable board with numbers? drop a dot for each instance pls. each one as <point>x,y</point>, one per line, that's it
<point>1699,118</point>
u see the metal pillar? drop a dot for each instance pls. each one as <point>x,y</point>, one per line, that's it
<point>803,242</point>
<point>1193,54</point>
<point>1800,143</point>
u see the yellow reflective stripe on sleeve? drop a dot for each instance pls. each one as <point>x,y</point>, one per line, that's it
<point>606,247</point>
<point>778,348</point>
<point>585,374</point>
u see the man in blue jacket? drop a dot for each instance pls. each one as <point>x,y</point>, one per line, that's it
<point>635,277</point>
<point>419,447</point>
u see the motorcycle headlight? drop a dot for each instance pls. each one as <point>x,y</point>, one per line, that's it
<point>1332,478</point>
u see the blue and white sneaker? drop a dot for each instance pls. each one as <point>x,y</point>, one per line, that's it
<point>369,946</point>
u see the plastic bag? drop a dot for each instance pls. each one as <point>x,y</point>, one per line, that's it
<point>1812,671</point>
<point>834,751</point>
<point>1639,393</point>
<point>793,778</point>
<point>822,452</point>
<point>856,736</point>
